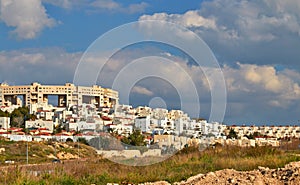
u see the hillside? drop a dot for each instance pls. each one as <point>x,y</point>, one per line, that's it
<point>187,166</point>
<point>39,152</point>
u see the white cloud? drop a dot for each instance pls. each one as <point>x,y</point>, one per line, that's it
<point>51,65</point>
<point>112,5</point>
<point>231,19</point>
<point>189,19</point>
<point>251,31</point>
<point>29,17</point>
<point>67,4</point>
<point>142,90</point>
<point>278,88</point>
<point>137,8</point>
<point>106,4</point>
<point>254,20</point>
<point>251,88</point>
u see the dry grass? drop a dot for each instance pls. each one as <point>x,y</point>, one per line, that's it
<point>38,151</point>
<point>184,164</point>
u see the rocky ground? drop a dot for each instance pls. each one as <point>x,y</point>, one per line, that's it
<point>290,174</point>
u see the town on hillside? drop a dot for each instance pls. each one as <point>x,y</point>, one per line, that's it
<point>91,112</point>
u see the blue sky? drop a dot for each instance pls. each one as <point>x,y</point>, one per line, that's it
<point>255,42</point>
<point>77,20</point>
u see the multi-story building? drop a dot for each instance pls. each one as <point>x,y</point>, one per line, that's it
<point>67,94</point>
<point>4,122</point>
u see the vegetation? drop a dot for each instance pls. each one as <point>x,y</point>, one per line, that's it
<point>179,167</point>
<point>18,116</point>
<point>134,139</point>
<point>232,134</point>
<point>39,151</point>
<point>254,135</point>
<point>83,140</point>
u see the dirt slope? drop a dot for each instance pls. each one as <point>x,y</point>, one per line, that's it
<point>290,174</point>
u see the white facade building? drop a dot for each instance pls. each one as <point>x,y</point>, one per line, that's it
<point>67,94</point>
<point>40,124</point>
<point>143,123</point>
<point>4,122</point>
<point>83,125</point>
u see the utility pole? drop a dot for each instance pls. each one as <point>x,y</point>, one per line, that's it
<point>78,142</point>
<point>55,150</point>
<point>27,149</point>
<point>78,147</point>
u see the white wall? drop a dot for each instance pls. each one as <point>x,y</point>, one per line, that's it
<point>5,122</point>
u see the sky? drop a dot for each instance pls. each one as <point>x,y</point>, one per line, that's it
<point>255,43</point>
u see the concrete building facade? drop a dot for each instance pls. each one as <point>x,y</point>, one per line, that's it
<point>67,94</point>
<point>4,122</point>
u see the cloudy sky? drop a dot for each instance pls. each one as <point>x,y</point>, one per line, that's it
<point>256,44</point>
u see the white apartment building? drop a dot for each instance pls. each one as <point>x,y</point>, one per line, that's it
<point>83,125</point>
<point>176,114</point>
<point>45,115</point>
<point>143,111</point>
<point>40,124</point>
<point>4,122</point>
<point>159,113</point>
<point>270,131</point>
<point>122,129</point>
<point>67,94</point>
<point>143,123</point>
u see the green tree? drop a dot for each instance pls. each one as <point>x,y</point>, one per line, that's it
<point>82,140</point>
<point>4,114</point>
<point>135,139</point>
<point>19,116</point>
<point>232,134</point>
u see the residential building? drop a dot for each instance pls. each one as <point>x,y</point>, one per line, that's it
<point>142,123</point>
<point>67,94</point>
<point>4,122</point>
<point>40,124</point>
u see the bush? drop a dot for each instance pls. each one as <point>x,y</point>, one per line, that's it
<point>82,140</point>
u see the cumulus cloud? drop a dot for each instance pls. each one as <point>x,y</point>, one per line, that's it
<point>278,88</point>
<point>251,88</point>
<point>67,4</point>
<point>252,31</point>
<point>137,8</point>
<point>106,4</point>
<point>142,90</point>
<point>189,19</point>
<point>255,20</point>
<point>51,65</point>
<point>100,5</point>
<point>112,5</point>
<point>29,17</point>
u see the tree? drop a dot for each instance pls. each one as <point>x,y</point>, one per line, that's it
<point>135,139</point>
<point>19,116</point>
<point>26,130</point>
<point>59,128</point>
<point>256,134</point>
<point>250,136</point>
<point>4,114</point>
<point>232,134</point>
<point>82,140</point>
